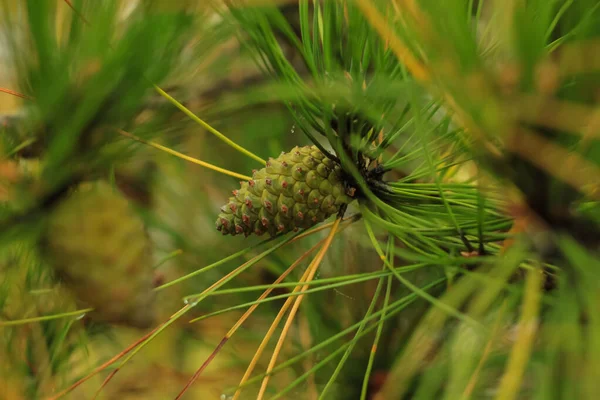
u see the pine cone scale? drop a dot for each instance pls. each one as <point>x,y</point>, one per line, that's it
<point>296,190</point>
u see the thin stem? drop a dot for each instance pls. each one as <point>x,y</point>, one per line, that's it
<point>439,304</point>
<point>17,94</point>
<point>243,318</point>
<point>312,270</point>
<point>354,340</point>
<point>26,143</point>
<point>188,112</point>
<point>266,339</point>
<point>486,353</point>
<point>141,345</point>
<point>337,281</point>
<point>103,366</point>
<point>392,310</point>
<point>45,317</point>
<point>557,18</point>
<point>288,295</point>
<point>521,351</point>
<point>209,128</point>
<point>268,291</point>
<point>211,266</point>
<point>378,22</point>
<point>201,297</point>
<point>79,14</point>
<point>345,221</point>
<point>169,256</point>
<point>363,393</point>
<point>184,157</point>
<point>436,178</point>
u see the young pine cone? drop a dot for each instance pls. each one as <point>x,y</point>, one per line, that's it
<point>99,247</point>
<point>296,190</point>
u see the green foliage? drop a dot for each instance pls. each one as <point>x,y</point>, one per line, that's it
<point>87,81</point>
<point>465,268</point>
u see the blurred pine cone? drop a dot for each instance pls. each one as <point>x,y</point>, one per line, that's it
<point>100,249</point>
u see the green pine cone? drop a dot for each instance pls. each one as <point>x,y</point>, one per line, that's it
<point>294,191</point>
<point>100,249</point>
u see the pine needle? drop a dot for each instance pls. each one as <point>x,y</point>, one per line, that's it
<point>213,265</point>
<point>527,328</point>
<point>46,317</point>
<point>373,352</point>
<point>312,270</point>
<point>17,94</point>
<point>184,157</point>
<point>102,367</point>
<point>400,49</point>
<point>486,353</point>
<point>243,318</point>
<point>209,128</point>
<point>266,339</point>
